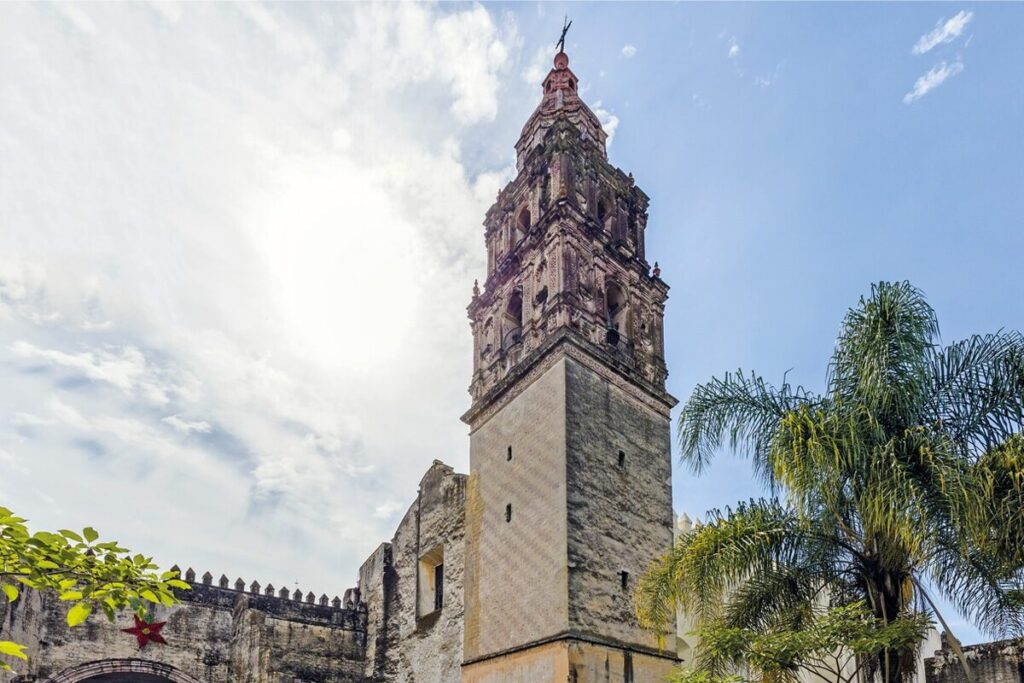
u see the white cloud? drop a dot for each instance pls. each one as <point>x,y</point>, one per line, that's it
<point>628,51</point>
<point>768,80</point>
<point>609,122</point>
<point>77,17</point>
<point>538,67</point>
<point>123,367</point>
<point>236,256</point>
<point>935,77</point>
<point>184,426</point>
<point>387,509</point>
<point>120,367</point>
<point>945,31</point>
<point>734,48</point>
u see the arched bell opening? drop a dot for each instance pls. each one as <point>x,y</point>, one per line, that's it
<point>618,314</point>
<point>513,320</point>
<point>522,226</point>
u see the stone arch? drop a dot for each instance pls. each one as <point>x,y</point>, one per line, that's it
<point>122,670</point>
<point>617,312</point>
<point>512,327</point>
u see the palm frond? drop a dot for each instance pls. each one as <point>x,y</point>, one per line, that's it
<point>880,356</point>
<point>977,389</point>
<point>979,587</point>
<point>740,411</point>
<point>782,596</point>
<point>712,560</point>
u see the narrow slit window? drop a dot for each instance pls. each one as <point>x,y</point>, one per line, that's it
<point>439,586</point>
<point>508,512</point>
<point>622,458</point>
<point>624,578</point>
<point>508,456</point>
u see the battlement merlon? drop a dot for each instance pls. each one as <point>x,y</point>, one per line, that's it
<point>348,613</point>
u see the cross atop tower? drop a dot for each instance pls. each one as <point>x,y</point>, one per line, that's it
<point>565,29</point>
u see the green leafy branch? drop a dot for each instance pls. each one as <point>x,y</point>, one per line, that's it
<point>84,571</point>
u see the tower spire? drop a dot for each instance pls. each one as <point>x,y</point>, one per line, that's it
<point>561,100</point>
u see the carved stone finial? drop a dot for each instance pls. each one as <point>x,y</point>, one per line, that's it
<point>177,570</point>
<point>336,602</point>
<point>283,594</point>
<point>657,269</point>
<point>254,587</point>
<point>297,595</point>
<point>476,288</point>
<point>324,600</point>
<point>223,581</point>
<point>190,575</point>
<point>207,579</point>
<point>310,598</point>
<point>269,590</point>
<point>239,585</point>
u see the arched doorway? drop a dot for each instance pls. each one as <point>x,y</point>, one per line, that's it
<point>122,671</point>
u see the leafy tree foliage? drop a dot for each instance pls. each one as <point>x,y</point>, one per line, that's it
<point>905,476</point>
<point>834,644</point>
<point>84,571</point>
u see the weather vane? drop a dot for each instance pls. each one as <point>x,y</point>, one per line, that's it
<point>565,29</point>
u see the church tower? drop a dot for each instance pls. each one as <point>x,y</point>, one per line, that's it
<point>569,496</point>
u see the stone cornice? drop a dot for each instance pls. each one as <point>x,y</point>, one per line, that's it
<point>565,343</point>
<point>581,637</point>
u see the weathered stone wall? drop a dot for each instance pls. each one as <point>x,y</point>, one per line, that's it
<point>377,584</point>
<point>619,505</point>
<point>516,584</point>
<point>214,635</point>
<point>998,662</point>
<point>407,642</point>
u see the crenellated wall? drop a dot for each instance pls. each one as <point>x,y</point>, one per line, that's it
<point>216,634</point>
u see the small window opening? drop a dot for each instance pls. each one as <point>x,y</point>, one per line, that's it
<point>624,578</point>
<point>439,586</point>
<point>430,582</point>
<point>508,512</point>
<point>508,456</point>
<point>622,458</point>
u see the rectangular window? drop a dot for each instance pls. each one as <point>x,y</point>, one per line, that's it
<point>430,582</point>
<point>439,586</point>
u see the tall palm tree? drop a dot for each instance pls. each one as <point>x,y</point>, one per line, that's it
<point>903,480</point>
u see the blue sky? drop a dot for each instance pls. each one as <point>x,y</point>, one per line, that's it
<point>237,240</point>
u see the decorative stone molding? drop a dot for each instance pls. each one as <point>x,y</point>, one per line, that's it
<point>123,666</point>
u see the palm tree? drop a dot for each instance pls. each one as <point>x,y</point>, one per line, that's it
<point>903,480</point>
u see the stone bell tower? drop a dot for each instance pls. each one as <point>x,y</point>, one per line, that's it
<point>569,496</point>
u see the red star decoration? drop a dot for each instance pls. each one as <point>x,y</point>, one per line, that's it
<point>145,632</point>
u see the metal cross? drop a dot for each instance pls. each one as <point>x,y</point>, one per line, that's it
<point>565,29</point>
